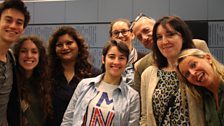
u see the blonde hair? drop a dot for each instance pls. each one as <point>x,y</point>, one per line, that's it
<point>216,65</point>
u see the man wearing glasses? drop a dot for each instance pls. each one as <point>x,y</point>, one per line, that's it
<point>120,30</point>
<point>14,17</point>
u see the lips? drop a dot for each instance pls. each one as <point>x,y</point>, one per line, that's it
<point>65,52</point>
<point>115,67</point>
<point>167,46</point>
<point>200,77</point>
<point>11,32</point>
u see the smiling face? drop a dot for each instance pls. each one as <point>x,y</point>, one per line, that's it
<point>143,31</point>
<point>115,62</point>
<point>11,25</point>
<point>121,31</point>
<point>197,71</point>
<point>28,56</point>
<point>169,41</point>
<point>67,48</point>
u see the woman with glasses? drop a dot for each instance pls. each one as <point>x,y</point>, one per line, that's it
<point>204,75</point>
<point>165,100</point>
<point>33,81</point>
<point>69,64</point>
<point>105,100</point>
<point>120,30</point>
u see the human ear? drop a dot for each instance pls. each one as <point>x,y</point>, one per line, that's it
<point>103,62</point>
<point>208,58</point>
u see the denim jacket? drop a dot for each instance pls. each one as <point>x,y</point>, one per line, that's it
<point>125,99</point>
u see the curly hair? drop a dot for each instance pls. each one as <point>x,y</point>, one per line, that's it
<point>39,77</point>
<point>179,26</point>
<point>18,5</point>
<point>82,65</point>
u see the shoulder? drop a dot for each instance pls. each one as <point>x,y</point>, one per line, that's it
<point>198,42</point>
<point>150,69</point>
<point>131,93</point>
<point>201,44</point>
<point>149,72</point>
<point>88,81</point>
<point>140,55</point>
<point>145,61</point>
<point>11,56</point>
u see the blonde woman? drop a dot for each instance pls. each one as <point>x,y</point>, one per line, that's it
<point>205,77</point>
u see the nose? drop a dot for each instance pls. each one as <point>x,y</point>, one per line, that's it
<point>192,72</point>
<point>120,34</point>
<point>29,54</point>
<point>65,46</point>
<point>13,24</point>
<point>116,60</point>
<point>164,39</point>
<point>144,37</point>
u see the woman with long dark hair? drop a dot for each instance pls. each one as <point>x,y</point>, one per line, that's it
<point>32,78</point>
<point>69,64</point>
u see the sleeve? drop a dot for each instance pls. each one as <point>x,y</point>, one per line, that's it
<point>143,119</point>
<point>68,115</point>
<point>137,77</point>
<point>134,111</point>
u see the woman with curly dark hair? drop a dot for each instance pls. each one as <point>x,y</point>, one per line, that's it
<point>69,64</point>
<point>32,78</point>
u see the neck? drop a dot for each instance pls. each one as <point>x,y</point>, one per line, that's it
<point>3,51</point>
<point>29,73</point>
<point>111,80</point>
<point>68,65</point>
<point>130,47</point>
<point>171,65</point>
<point>69,70</point>
<point>214,88</point>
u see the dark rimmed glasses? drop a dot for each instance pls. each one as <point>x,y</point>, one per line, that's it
<point>2,73</point>
<point>123,32</point>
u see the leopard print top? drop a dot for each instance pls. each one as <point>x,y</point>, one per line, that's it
<point>177,114</point>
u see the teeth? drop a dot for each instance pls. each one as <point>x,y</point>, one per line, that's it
<point>200,77</point>
<point>28,61</point>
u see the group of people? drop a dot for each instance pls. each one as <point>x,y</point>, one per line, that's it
<point>178,82</point>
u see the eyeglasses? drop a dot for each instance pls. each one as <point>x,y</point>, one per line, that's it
<point>2,73</point>
<point>137,18</point>
<point>123,32</point>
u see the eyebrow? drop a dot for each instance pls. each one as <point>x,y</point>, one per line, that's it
<point>16,19</point>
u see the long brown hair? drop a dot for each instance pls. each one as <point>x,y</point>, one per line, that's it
<point>39,77</point>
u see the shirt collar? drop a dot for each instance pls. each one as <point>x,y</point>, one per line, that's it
<point>98,79</point>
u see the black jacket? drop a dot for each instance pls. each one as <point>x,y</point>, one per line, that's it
<point>13,110</point>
